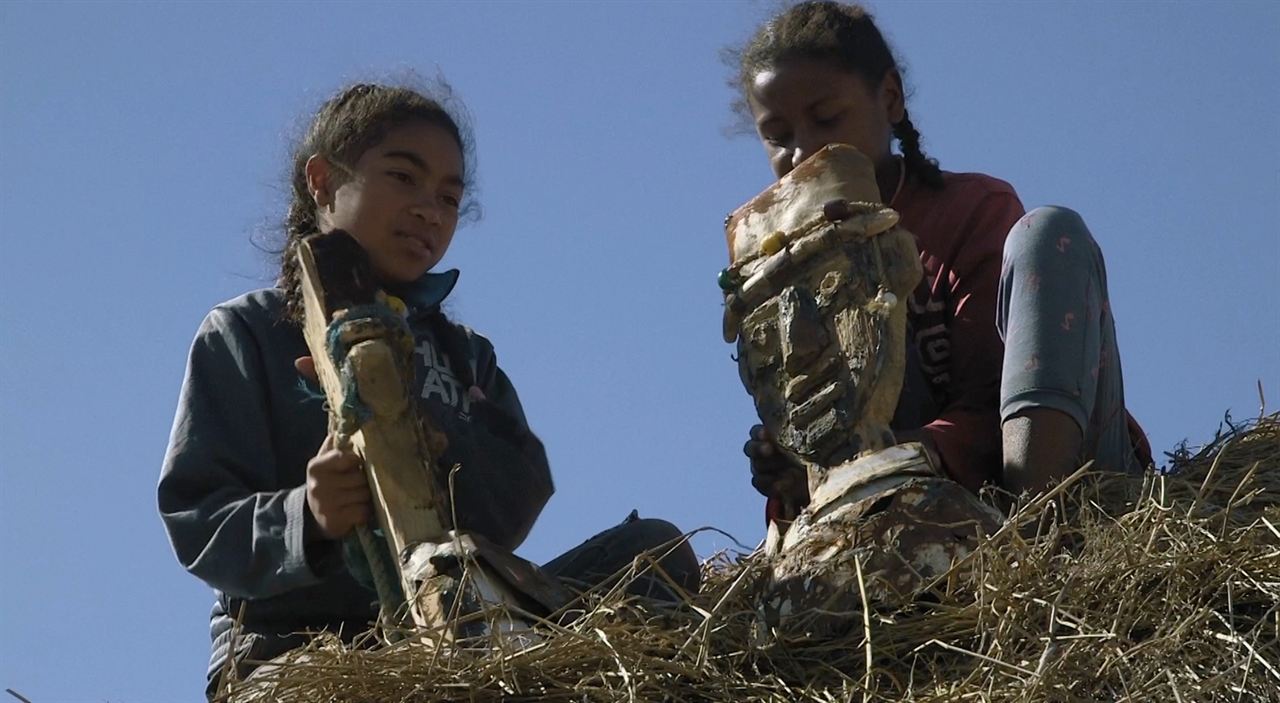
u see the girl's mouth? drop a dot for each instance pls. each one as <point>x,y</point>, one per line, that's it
<point>418,245</point>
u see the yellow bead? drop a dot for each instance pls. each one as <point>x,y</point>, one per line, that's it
<point>397,305</point>
<point>771,244</point>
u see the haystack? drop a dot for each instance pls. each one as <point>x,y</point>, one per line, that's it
<point>1164,588</point>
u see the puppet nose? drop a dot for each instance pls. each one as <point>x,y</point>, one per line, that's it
<point>800,327</point>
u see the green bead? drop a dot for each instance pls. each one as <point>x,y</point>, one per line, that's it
<point>726,280</point>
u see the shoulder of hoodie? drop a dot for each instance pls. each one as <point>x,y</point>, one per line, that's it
<point>257,308</point>
<point>257,315</point>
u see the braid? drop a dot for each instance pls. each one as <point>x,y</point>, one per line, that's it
<point>913,157</point>
<point>298,225</point>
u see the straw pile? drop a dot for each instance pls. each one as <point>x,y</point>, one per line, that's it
<point>1163,589</point>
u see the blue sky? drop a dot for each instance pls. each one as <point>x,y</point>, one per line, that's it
<point>144,146</point>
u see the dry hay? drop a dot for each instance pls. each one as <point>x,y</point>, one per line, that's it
<point>1160,589</point>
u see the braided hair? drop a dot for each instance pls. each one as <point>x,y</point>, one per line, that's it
<point>346,126</point>
<point>845,34</point>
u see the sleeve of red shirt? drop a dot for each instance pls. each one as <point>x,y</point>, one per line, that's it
<point>966,434</point>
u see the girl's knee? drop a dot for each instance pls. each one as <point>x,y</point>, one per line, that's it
<point>1053,217</point>
<point>666,541</point>
<point>1049,233</point>
<point>649,533</point>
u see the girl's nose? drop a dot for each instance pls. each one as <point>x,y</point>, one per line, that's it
<point>428,209</point>
<point>806,146</point>
<point>798,155</point>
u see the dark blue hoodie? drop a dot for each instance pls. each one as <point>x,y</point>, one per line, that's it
<point>232,490</point>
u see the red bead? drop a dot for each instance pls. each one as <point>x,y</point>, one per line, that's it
<point>836,210</point>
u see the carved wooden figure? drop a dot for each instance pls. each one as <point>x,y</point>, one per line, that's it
<point>815,297</point>
<point>363,352</point>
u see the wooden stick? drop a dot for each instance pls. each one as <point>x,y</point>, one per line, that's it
<point>407,504</point>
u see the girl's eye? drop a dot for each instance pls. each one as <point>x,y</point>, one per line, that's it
<point>452,201</point>
<point>827,121</point>
<point>778,140</point>
<point>402,177</point>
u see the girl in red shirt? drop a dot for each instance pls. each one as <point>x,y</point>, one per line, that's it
<point>1013,375</point>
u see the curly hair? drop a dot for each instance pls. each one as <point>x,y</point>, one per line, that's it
<point>346,126</point>
<point>842,33</point>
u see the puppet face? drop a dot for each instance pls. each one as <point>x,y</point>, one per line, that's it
<point>815,296</point>
<point>823,355</point>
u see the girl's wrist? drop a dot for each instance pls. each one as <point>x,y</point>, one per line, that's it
<point>322,554</point>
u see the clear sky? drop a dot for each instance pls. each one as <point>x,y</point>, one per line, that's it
<point>142,146</point>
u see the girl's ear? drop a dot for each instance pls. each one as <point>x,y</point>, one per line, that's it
<point>895,103</point>
<point>320,181</point>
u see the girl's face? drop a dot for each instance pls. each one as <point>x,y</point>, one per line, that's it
<point>400,200</point>
<point>802,105</point>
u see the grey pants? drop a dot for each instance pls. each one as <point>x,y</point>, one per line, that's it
<point>1060,339</point>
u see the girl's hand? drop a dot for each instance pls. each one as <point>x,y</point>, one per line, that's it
<point>337,491</point>
<point>773,473</point>
<point>930,449</point>
<point>306,367</point>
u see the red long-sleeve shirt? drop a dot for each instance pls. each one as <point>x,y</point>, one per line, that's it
<point>960,231</point>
